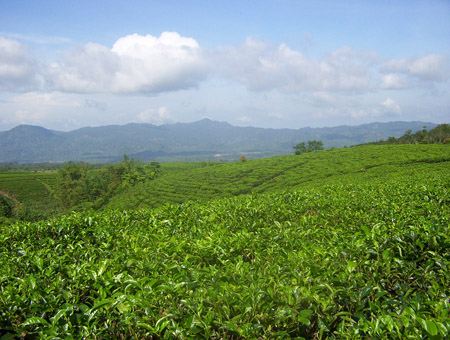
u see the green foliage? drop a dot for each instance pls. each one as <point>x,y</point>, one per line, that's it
<point>71,184</point>
<point>313,145</point>
<point>439,135</point>
<point>300,148</point>
<point>5,207</point>
<point>77,185</point>
<point>242,159</point>
<point>359,260</point>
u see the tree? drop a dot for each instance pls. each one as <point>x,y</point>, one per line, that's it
<point>242,159</point>
<point>300,148</point>
<point>314,145</point>
<point>71,184</point>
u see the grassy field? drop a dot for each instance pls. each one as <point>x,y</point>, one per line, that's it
<point>344,244</point>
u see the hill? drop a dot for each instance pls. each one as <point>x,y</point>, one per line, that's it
<point>202,140</point>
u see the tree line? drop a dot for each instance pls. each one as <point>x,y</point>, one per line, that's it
<point>439,135</point>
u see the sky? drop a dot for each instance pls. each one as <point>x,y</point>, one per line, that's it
<point>66,64</point>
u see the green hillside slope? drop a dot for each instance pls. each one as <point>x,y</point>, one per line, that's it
<point>203,181</point>
<point>346,261</point>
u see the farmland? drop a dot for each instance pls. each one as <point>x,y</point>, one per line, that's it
<point>341,244</point>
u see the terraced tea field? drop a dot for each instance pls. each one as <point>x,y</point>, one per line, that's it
<point>30,191</point>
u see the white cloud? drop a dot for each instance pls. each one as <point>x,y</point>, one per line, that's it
<point>37,39</point>
<point>157,116</point>
<point>387,108</point>
<point>40,100</point>
<point>27,117</point>
<point>326,105</point>
<point>394,81</point>
<point>244,119</point>
<point>85,69</point>
<point>390,106</point>
<point>264,67</point>
<point>149,65</point>
<point>37,108</point>
<point>18,70</point>
<point>135,64</point>
<point>431,67</point>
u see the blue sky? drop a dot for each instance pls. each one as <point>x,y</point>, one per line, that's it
<point>68,64</point>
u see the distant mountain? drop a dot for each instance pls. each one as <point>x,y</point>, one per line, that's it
<point>202,140</point>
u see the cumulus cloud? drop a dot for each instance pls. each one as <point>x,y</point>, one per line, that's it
<point>157,116</point>
<point>138,64</point>
<point>262,67</point>
<point>135,64</point>
<point>18,70</point>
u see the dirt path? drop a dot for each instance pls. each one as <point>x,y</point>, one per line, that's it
<point>8,196</point>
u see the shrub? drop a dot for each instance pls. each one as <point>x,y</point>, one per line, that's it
<point>5,207</point>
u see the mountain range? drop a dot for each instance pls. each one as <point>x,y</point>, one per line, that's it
<point>199,141</point>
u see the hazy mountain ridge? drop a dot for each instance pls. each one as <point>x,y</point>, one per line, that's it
<point>202,140</point>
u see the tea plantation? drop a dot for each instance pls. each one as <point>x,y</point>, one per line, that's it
<point>204,181</point>
<point>344,244</point>
<point>30,192</point>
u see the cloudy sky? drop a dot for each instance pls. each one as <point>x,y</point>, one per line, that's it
<point>266,63</point>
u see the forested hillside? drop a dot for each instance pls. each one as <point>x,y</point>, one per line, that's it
<point>198,141</point>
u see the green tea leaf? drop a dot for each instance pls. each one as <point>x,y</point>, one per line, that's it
<point>101,304</point>
<point>35,320</point>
